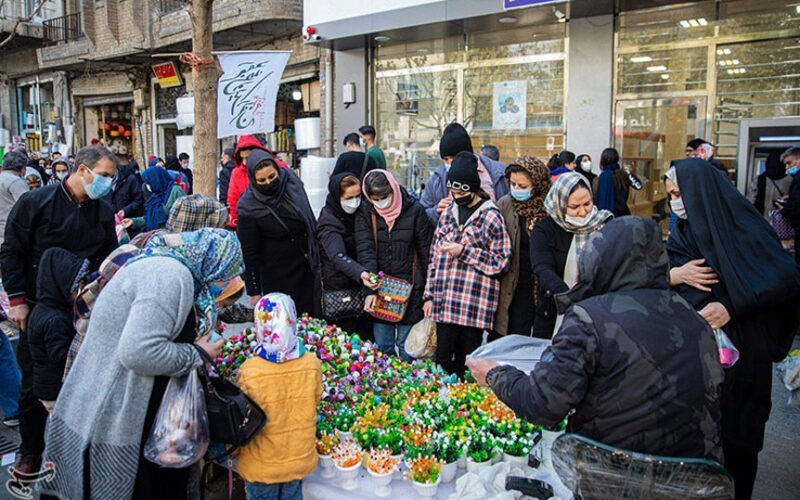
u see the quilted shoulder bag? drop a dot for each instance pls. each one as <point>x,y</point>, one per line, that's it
<point>341,304</point>
<point>393,295</point>
<point>783,228</point>
<point>233,417</point>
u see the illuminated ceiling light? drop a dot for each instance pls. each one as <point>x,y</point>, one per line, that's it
<point>694,23</point>
<point>685,23</point>
<point>742,70</point>
<point>726,51</point>
<point>723,63</point>
<point>382,38</point>
<point>735,61</point>
<point>730,71</point>
<point>656,68</point>
<point>723,52</point>
<point>702,21</point>
<point>797,9</point>
<point>508,20</point>
<point>297,95</point>
<point>641,59</point>
<point>665,76</point>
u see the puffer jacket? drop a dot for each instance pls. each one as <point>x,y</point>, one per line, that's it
<point>412,232</point>
<point>50,328</point>
<point>285,449</point>
<point>466,289</point>
<point>633,359</point>
<point>239,181</point>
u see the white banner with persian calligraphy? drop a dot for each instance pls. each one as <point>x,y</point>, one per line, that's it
<point>247,91</point>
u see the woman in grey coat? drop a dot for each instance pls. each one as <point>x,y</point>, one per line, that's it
<point>139,335</point>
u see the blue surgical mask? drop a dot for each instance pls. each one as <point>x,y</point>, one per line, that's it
<point>99,187</point>
<point>521,195</point>
<point>793,171</point>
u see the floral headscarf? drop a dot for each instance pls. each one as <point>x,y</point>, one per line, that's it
<point>556,206</point>
<point>276,329</point>
<point>533,210</point>
<point>210,254</point>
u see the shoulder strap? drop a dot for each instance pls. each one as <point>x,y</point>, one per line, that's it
<point>776,186</point>
<point>364,166</point>
<point>375,231</point>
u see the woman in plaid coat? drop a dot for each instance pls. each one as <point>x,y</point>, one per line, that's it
<point>471,250</point>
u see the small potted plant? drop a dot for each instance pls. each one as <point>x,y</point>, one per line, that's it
<point>347,456</point>
<point>343,422</point>
<point>517,448</point>
<point>449,451</point>
<point>425,475</point>
<point>381,466</point>
<point>392,439</point>
<point>325,445</point>
<point>480,451</point>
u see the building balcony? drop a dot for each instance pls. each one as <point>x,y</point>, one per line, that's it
<point>63,29</point>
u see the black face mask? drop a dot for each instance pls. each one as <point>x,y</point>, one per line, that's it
<point>270,188</point>
<point>464,200</point>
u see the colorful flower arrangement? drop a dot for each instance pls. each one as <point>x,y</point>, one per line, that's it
<point>326,443</point>
<point>424,469</point>
<point>381,462</point>
<point>347,454</point>
<point>483,446</point>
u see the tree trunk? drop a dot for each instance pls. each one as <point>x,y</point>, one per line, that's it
<point>204,82</point>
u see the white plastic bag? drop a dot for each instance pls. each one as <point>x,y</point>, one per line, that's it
<point>180,433</point>
<point>520,351</point>
<point>788,371</point>
<point>421,340</point>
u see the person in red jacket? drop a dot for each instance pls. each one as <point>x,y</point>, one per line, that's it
<point>239,180</point>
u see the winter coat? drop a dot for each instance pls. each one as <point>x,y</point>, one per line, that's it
<point>224,181</point>
<point>50,217</point>
<point>126,193</point>
<point>12,187</point>
<point>466,289</point>
<point>635,362</point>
<point>285,449</point>
<point>412,233</point>
<point>50,328</point>
<point>239,179</point>
<point>508,284</point>
<point>549,250</point>
<point>340,267</point>
<point>436,187</point>
<point>100,417</point>
<point>791,210</point>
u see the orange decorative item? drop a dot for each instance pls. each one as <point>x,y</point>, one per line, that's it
<point>127,134</point>
<point>121,129</point>
<point>114,133</point>
<point>107,126</point>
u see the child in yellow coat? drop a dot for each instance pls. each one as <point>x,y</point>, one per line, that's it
<point>286,382</point>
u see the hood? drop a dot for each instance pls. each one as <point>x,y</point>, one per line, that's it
<point>172,163</point>
<point>123,171</point>
<point>246,142</point>
<point>60,273</point>
<point>775,169</point>
<point>626,254</point>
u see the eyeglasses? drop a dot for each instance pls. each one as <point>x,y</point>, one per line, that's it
<point>458,186</point>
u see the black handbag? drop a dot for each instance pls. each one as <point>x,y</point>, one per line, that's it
<point>341,304</point>
<point>233,417</point>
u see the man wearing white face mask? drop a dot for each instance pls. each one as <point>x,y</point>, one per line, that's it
<point>69,215</point>
<point>341,270</point>
<point>557,241</point>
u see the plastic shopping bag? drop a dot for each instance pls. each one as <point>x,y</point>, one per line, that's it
<point>728,353</point>
<point>520,351</point>
<point>122,233</point>
<point>179,436</point>
<point>421,340</point>
<point>789,372</point>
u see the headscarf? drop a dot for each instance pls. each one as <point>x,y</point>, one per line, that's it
<point>172,163</point>
<point>333,201</point>
<point>533,210</point>
<point>196,211</point>
<point>275,318</point>
<point>774,167</point>
<point>392,212</point>
<point>606,188</point>
<point>153,161</point>
<point>160,184</point>
<point>30,171</point>
<point>352,162</point>
<point>210,255</point>
<point>556,205</point>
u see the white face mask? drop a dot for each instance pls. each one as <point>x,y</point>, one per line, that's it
<point>586,166</point>
<point>678,208</point>
<point>580,222</point>
<point>48,171</point>
<point>384,204</point>
<point>61,175</point>
<point>350,206</point>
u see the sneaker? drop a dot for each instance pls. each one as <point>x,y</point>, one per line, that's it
<point>11,421</point>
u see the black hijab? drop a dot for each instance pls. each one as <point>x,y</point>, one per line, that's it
<point>756,273</point>
<point>172,163</point>
<point>352,162</point>
<point>774,168</point>
<point>333,202</point>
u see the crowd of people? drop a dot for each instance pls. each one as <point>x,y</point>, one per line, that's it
<point>532,247</point>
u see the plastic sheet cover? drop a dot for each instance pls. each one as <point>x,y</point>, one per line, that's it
<point>593,471</point>
<point>520,351</point>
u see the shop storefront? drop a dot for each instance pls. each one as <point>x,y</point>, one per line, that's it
<point>109,120</point>
<point>40,110</point>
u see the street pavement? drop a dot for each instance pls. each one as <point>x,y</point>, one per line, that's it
<point>779,463</point>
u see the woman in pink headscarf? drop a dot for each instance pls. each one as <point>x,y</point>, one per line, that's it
<point>393,236</point>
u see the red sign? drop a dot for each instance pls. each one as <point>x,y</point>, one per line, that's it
<point>167,75</point>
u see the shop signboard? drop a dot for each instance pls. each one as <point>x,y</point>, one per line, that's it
<point>247,91</point>
<point>167,75</point>
<point>516,4</point>
<point>509,105</point>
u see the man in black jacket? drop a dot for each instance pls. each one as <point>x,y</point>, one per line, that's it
<point>789,205</point>
<point>225,174</point>
<point>70,215</point>
<point>126,194</point>
<point>636,363</point>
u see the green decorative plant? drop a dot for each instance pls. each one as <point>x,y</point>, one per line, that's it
<point>482,447</point>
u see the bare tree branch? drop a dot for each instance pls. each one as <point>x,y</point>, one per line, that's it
<point>21,20</point>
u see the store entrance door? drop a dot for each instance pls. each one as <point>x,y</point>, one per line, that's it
<point>649,134</point>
